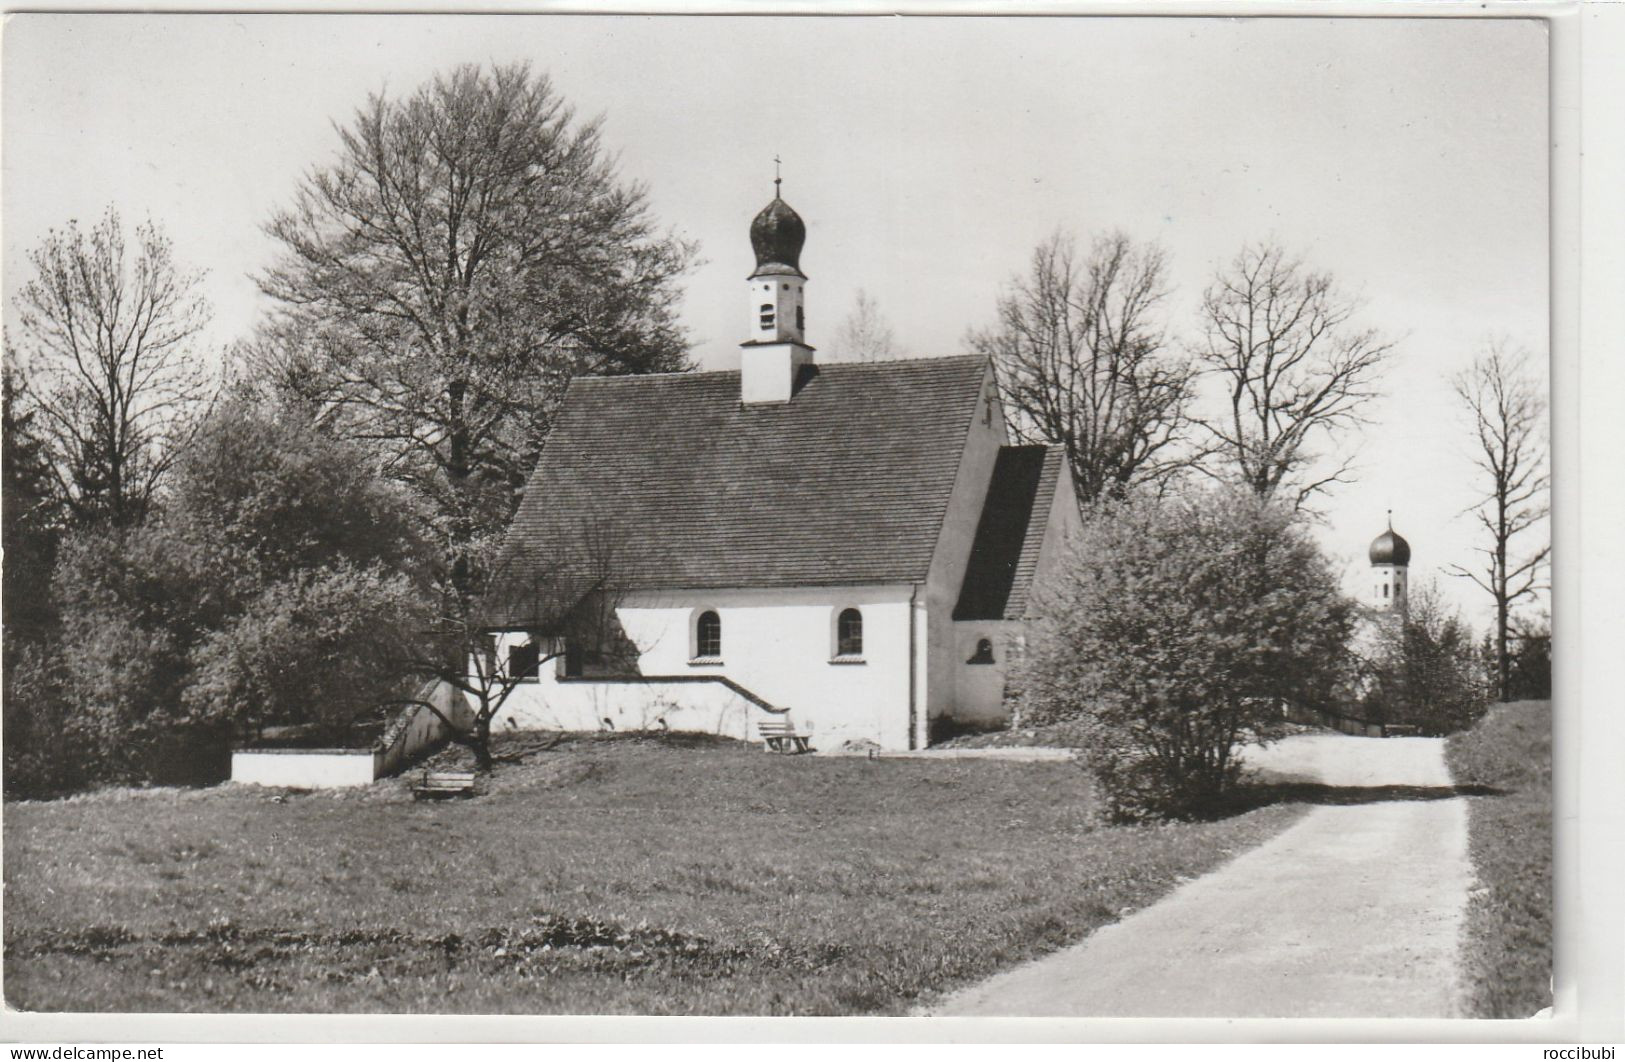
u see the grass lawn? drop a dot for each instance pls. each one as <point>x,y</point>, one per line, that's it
<point>1508,951</point>
<point>601,876</point>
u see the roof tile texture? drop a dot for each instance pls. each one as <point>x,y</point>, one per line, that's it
<point>1010,533</point>
<point>847,483</point>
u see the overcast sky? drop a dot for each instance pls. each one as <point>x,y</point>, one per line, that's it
<point>927,155</point>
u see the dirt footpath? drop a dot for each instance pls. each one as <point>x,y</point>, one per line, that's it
<point>1355,911</point>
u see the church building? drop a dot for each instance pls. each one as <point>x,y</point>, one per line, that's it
<point>854,549</point>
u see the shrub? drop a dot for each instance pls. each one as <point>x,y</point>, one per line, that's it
<point>44,754</point>
<point>1507,946</point>
<point>316,649</point>
<point>1178,631</point>
<point>276,584</point>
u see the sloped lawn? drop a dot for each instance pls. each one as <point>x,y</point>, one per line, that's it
<point>1508,950</point>
<point>596,876</point>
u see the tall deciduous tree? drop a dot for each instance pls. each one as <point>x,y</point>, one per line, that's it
<point>469,251</point>
<point>1507,409</point>
<point>1295,370</point>
<point>864,335</point>
<point>107,334</point>
<point>1082,363</point>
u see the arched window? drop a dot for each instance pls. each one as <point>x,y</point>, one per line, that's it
<point>767,315</point>
<point>984,652</point>
<point>708,635</point>
<point>849,633</point>
<point>1384,589</point>
<point>801,320</point>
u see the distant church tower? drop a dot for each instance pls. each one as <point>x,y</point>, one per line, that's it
<point>777,349</point>
<point>1390,567</point>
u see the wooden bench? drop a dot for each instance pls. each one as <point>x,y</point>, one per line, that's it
<point>438,785</point>
<point>782,737</point>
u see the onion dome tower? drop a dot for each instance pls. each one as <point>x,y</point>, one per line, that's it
<point>1390,564</point>
<point>777,350</point>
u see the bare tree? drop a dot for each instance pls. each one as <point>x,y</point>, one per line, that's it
<point>565,600</point>
<point>468,252</point>
<point>1082,363</point>
<point>865,334</point>
<point>1508,412</point>
<point>1296,370</point>
<point>106,335</point>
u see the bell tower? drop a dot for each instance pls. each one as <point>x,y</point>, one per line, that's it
<point>773,356</point>
<point>1390,571</point>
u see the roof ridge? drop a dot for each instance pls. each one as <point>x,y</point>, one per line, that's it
<point>844,366</point>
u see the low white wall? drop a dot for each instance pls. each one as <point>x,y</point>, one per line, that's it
<point>690,707</point>
<point>414,730</point>
<point>305,768</point>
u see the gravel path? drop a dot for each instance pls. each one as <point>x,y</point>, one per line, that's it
<point>1355,911</point>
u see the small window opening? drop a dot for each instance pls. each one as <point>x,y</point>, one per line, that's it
<point>1384,589</point>
<point>524,661</point>
<point>801,320</point>
<point>984,652</point>
<point>767,315</point>
<point>849,633</point>
<point>708,635</point>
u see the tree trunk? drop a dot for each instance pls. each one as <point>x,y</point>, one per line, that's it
<point>480,744</point>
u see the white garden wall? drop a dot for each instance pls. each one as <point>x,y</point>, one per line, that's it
<point>305,768</point>
<point>414,731</point>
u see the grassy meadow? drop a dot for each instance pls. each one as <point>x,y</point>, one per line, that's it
<point>598,875</point>
<point>1508,950</point>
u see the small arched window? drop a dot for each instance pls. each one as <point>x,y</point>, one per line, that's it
<point>984,652</point>
<point>767,315</point>
<point>849,633</point>
<point>1384,589</point>
<point>708,635</point>
<point>801,320</point>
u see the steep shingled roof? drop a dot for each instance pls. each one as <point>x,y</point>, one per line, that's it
<point>847,483</point>
<point>1004,553</point>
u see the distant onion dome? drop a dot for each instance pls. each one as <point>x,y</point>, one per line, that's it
<point>777,236</point>
<point>1391,548</point>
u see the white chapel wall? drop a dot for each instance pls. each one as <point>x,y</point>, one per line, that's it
<point>954,545</point>
<point>778,644</point>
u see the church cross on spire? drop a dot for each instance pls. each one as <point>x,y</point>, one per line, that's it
<point>777,180</point>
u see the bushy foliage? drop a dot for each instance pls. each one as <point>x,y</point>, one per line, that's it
<point>1530,676</point>
<point>133,604</point>
<point>322,647</point>
<point>277,584</point>
<point>261,497</point>
<point>1179,630</point>
<point>32,514</point>
<point>45,753</point>
<point>1426,671</point>
<point>1507,945</point>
